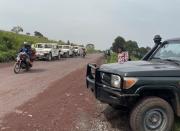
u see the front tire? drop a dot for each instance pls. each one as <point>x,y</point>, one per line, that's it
<point>50,57</point>
<point>59,56</point>
<point>17,68</point>
<point>152,114</point>
<point>67,55</point>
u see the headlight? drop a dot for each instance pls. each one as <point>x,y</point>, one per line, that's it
<point>129,82</point>
<point>115,81</point>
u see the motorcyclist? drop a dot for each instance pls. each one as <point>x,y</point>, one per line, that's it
<point>84,51</point>
<point>27,49</point>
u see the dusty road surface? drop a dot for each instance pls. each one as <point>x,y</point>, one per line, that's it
<point>53,97</point>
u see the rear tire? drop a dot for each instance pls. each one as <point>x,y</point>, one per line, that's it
<point>152,114</point>
<point>27,67</point>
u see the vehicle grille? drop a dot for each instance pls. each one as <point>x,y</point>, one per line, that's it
<point>106,79</point>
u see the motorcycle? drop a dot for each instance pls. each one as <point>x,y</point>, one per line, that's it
<point>22,62</point>
<point>84,54</point>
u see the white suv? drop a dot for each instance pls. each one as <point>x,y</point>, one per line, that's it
<point>76,50</point>
<point>47,51</point>
<point>66,50</point>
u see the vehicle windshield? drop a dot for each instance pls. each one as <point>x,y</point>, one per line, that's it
<point>60,47</point>
<point>65,47</point>
<point>75,47</point>
<point>170,51</point>
<point>47,46</point>
<point>39,46</point>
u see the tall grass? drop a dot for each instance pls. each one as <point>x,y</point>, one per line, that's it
<point>11,42</point>
<point>113,58</point>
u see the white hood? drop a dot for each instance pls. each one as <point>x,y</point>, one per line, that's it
<point>43,49</point>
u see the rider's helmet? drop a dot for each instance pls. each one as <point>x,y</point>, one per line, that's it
<point>27,45</point>
<point>157,39</point>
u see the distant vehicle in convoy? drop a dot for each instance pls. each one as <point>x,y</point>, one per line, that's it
<point>82,51</point>
<point>47,51</point>
<point>66,50</point>
<point>149,88</point>
<point>76,50</point>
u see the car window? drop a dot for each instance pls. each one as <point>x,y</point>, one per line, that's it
<point>169,51</point>
<point>66,47</point>
<point>48,46</point>
<point>39,46</point>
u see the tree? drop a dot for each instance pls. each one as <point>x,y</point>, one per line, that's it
<point>68,42</point>
<point>132,47</point>
<point>142,51</point>
<point>119,42</point>
<point>28,34</point>
<point>36,33</point>
<point>17,29</point>
<point>90,46</point>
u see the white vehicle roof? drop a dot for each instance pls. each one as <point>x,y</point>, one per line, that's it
<point>46,44</point>
<point>66,45</point>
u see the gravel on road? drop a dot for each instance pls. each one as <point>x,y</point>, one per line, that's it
<point>62,104</point>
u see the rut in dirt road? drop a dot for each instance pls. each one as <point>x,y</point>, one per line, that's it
<point>17,89</point>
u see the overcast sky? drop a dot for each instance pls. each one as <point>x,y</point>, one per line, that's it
<point>94,21</point>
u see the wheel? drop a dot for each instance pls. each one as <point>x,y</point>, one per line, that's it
<point>67,55</point>
<point>50,57</point>
<point>17,68</point>
<point>152,114</point>
<point>59,56</point>
<point>27,67</point>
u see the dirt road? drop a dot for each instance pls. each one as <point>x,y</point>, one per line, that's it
<point>53,97</point>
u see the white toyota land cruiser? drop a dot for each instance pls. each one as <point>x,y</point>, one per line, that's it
<point>66,50</point>
<point>47,51</point>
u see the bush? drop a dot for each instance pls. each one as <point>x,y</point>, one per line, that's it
<point>11,42</point>
<point>113,58</point>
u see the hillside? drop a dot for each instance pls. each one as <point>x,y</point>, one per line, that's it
<point>11,42</point>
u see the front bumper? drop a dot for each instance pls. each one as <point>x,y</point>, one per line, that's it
<point>104,93</point>
<point>41,56</point>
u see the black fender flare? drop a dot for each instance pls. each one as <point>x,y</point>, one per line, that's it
<point>172,89</point>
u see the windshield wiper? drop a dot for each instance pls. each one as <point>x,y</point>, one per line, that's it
<point>174,61</point>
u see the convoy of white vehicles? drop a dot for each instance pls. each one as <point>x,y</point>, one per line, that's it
<point>49,51</point>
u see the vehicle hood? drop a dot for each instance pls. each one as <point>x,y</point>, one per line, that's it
<point>142,69</point>
<point>43,49</point>
<point>65,50</point>
<point>76,50</point>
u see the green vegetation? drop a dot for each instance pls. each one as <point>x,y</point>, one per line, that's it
<point>91,49</point>
<point>177,124</point>
<point>11,42</point>
<point>135,52</point>
<point>113,58</point>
